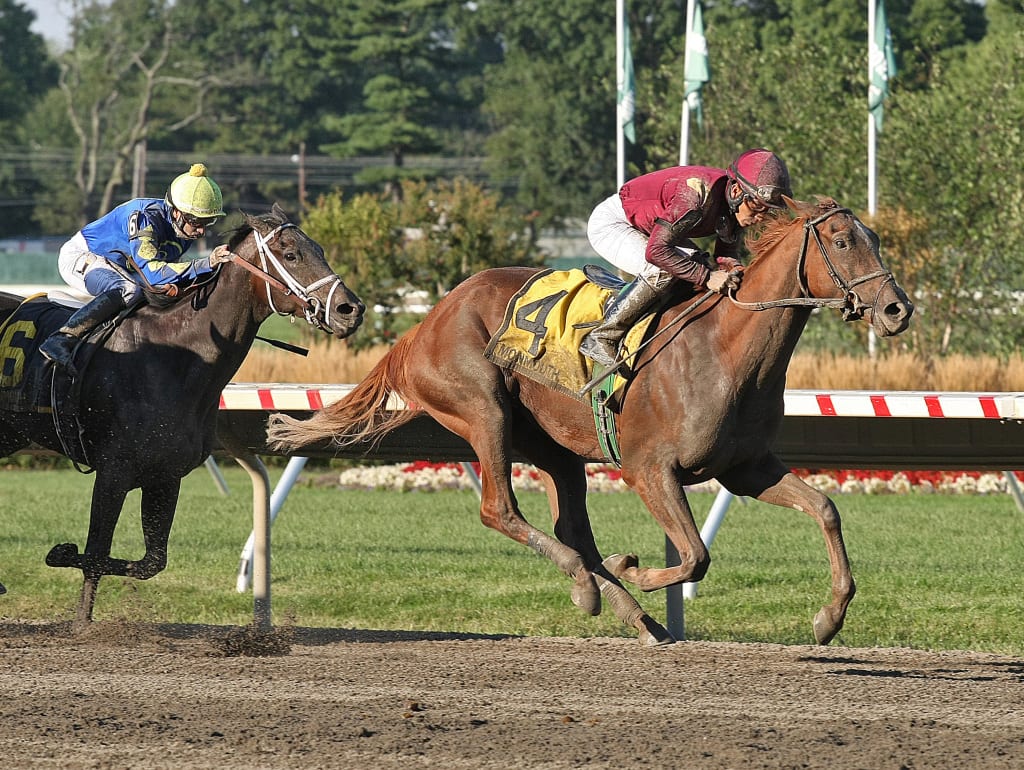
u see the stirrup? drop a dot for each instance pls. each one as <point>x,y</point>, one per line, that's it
<point>59,348</point>
<point>598,351</point>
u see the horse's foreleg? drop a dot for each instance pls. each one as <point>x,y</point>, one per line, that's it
<point>772,483</point>
<point>159,501</point>
<point>665,498</point>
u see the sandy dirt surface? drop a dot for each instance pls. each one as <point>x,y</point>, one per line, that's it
<point>172,696</point>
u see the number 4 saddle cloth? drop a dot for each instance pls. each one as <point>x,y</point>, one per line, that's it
<point>23,384</point>
<point>544,324</point>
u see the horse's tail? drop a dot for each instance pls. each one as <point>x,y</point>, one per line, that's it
<point>364,416</point>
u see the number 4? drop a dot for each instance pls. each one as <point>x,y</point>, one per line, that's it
<point>537,327</point>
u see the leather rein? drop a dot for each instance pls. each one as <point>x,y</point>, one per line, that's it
<point>851,305</point>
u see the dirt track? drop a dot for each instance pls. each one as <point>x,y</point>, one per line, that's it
<point>127,696</point>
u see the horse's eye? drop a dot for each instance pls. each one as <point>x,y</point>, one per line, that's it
<point>290,256</point>
<point>840,243</point>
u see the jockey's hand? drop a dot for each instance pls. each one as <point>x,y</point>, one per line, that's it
<point>170,289</point>
<point>220,255</point>
<point>722,281</point>
<point>728,263</point>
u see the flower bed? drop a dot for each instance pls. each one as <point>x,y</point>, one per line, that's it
<point>430,477</point>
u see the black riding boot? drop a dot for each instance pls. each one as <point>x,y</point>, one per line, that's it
<point>601,345</point>
<point>59,347</point>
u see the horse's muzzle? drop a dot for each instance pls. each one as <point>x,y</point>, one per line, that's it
<point>346,317</point>
<point>891,312</point>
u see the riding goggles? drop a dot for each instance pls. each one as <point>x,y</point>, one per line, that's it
<point>197,223</point>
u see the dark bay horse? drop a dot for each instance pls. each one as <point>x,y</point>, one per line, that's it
<point>149,396</point>
<point>706,402</point>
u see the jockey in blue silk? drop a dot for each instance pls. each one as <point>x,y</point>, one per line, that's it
<point>141,242</point>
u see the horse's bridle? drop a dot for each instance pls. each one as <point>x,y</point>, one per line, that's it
<point>851,305</point>
<point>287,284</point>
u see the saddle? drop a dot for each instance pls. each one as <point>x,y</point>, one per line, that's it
<point>30,383</point>
<point>24,386</point>
<point>540,337</point>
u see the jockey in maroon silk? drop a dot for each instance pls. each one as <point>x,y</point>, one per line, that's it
<point>647,228</point>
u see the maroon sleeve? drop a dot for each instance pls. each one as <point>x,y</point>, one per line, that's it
<point>662,253</point>
<point>683,217</point>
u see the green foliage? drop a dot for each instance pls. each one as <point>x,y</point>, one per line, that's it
<point>951,156</point>
<point>552,104</point>
<point>410,74</point>
<point>26,73</point>
<point>280,54</point>
<point>430,237</point>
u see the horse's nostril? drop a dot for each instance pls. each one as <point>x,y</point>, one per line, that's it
<point>346,309</point>
<point>899,310</point>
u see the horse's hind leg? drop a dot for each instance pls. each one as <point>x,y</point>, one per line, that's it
<point>10,442</point>
<point>159,501</point>
<point>480,412</point>
<point>565,479</point>
<point>771,482</point>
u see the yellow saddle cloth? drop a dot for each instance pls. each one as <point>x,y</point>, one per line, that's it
<point>544,324</point>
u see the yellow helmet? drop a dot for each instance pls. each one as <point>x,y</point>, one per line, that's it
<point>194,193</point>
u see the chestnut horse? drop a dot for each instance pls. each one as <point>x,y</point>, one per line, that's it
<point>148,397</point>
<point>706,402</point>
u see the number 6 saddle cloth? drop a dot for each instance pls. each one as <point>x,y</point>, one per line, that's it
<point>544,324</point>
<point>23,384</point>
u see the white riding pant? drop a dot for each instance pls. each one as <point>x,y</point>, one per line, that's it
<point>616,240</point>
<point>89,273</point>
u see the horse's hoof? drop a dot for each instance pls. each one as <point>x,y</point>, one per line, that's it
<point>63,555</point>
<point>620,563</point>
<point>653,634</point>
<point>3,589</point>
<point>140,570</point>
<point>825,628</point>
<point>586,595</point>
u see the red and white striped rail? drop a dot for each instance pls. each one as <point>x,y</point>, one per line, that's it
<point>799,403</point>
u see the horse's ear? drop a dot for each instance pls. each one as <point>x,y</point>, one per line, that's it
<point>791,204</point>
<point>279,212</point>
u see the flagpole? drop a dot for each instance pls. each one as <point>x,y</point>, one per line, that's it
<point>620,69</point>
<point>871,158</point>
<point>684,130</point>
<point>872,136</point>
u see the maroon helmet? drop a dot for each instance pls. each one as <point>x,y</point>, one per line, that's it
<point>762,176</point>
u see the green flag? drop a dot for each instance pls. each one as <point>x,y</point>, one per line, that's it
<point>882,64</point>
<point>696,71</point>
<point>627,87</point>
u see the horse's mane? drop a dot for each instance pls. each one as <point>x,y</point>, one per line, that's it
<point>776,227</point>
